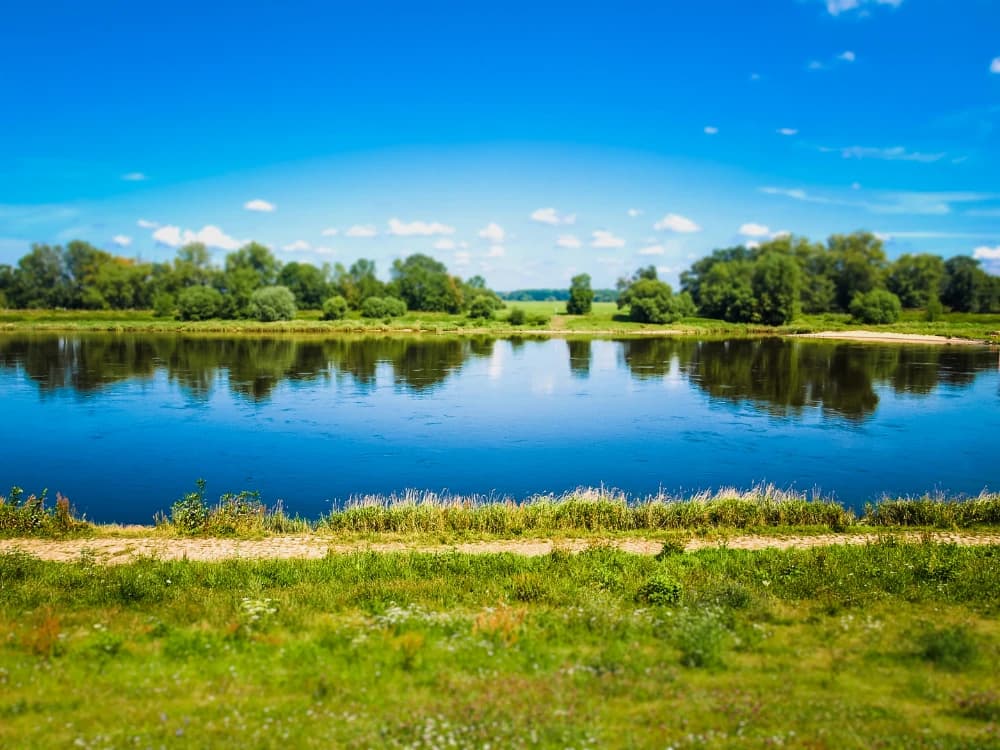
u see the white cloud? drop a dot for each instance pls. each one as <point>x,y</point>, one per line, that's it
<point>676,223</point>
<point>492,232</point>
<point>330,232</point>
<point>781,233</point>
<point>987,253</point>
<point>418,228</point>
<point>444,244</point>
<point>711,130</point>
<point>604,238</point>
<point>551,216</point>
<point>209,235</point>
<point>322,250</point>
<point>633,212</point>
<point>836,7</point>
<point>496,251</point>
<point>462,258</point>
<point>361,230</point>
<point>259,205</point>
<point>847,56</point>
<point>296,247</point>
<point>134,177</point>
<point>122,240</point>
<point>755,76</point>
<point>815,65</point>
<point>891,202</point>
<point>568,241</point>
<point>753,245</point>
<point>652,250</point>
<point>146,224</point>
<point>787,131</point>
<point>995,65</point>
<point>754,230</point>
<point>894,153</point>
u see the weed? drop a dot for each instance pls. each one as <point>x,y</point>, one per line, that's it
<point>953,647</point>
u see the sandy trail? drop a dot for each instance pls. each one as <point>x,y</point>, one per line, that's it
<point>886,337</point>
<point>114,550</point>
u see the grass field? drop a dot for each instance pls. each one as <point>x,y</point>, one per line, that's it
<point>885,645</point>
<point>605,319</point>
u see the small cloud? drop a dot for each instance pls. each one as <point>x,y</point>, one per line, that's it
<point>847,56</point>
<point>296,247</point>
<point>995,65</point>
<point>259,205</point>
<point>987,253</point>
<point>361,230</point>
<point>444,244</point>
<point>462,258</point>
<point>568,241</point>
<point>122,240</point>
<point>676,223</point>
<point>551,216</point>
<point>493,232</point>
<point>497,251</point>
<point>209,235</point>
<point>787,131</point>
<point>664,269</point>
<point>894,153</point>
<point>711,130</point>
<point>836,7</point>
<point>652,250</point>
<point>146,224</point>
<point>603,238</point>
<point>134,177</point>
<point>815,65</point>
<point>322,250</point>
<point>755,76</point>
<point>754,230</point>
<point>330,232</point>
<point>633,212</point>
<point>418,228</point>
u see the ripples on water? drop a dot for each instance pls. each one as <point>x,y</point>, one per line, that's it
<point>124,424</point>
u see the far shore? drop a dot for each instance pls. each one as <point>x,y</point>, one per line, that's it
<point>886,337</point>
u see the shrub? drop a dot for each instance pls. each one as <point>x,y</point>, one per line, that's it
<point>272,303</point>
<point>334,308</point>
<point>383,307</point>
<point>876,307</point>
<point>28,516</point>
<point>700,637</point>
<point>164,305</point>
<point>660,590</point>
<point>539,319</point>
<point>482,307</point>
<point>951,647</point>
<point>188,515</point>
<point>516,316</point>
<point>934,309</point>
<point>198,303</point>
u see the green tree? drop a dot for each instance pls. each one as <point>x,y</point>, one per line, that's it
<point>653,301</point>
<point>777,288</point>
<point>581,296</point>
<point>272,303</point>
<point>859,265</point>
<point>916,279</point>
<point>257,258</point>
<point>383,307</point>
<point>877,306</point>
<point>424,284</point>
<point>41,279</point>
<point>693,278</point>
<point>334,308</point>
<point>481,307</point>
<point>198,303</point>
<point>308,283</point>
<point>726,292</point>
<point>967,287</point>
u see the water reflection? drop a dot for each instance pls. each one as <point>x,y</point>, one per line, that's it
<point>778,376</point>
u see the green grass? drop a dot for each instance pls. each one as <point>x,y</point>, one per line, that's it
<point>586,511</point>
<point>885,645</point>
<point>604,319</point>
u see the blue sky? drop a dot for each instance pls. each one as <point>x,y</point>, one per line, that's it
<point>523,141</point>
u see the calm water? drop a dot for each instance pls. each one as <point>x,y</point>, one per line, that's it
<point>123,425</point>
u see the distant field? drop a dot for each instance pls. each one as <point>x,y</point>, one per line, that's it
<point>604,319</point>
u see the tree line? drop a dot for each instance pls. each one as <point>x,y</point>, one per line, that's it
<point>251,283</point>
<point>776,281</point>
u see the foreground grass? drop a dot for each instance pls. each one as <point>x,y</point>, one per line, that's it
<point>419,516</point>
<point>604,319</point>
<point>884,645</point>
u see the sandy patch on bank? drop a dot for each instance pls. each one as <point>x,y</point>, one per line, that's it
<point>887,337</point>
<point>110,551</point>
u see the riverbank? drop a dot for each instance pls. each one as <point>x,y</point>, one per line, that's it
<point>604,320</point>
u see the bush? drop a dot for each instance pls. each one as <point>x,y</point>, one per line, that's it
<point>934,309</point>
<point>272,303</point>
<point>950,647</point>
<point>876,307</point>
<point>383,307</point>
<point>164,305</point>
<point>516,316</point>
<point>660,590</point>
<point>199,303</point>
<point>482,307</point>
<point>700,637</point>
<point>334,308</point>
<point>653,301</point>
<point>539,319</point>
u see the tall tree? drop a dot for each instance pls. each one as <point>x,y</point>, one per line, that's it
<point>581,296</point>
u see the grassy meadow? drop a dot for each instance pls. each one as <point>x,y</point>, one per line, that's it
<point>883,645</point>
<point>543,318</point>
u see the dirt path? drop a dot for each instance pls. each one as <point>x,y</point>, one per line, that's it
<point>111,550</point>
<point>886,337</point>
